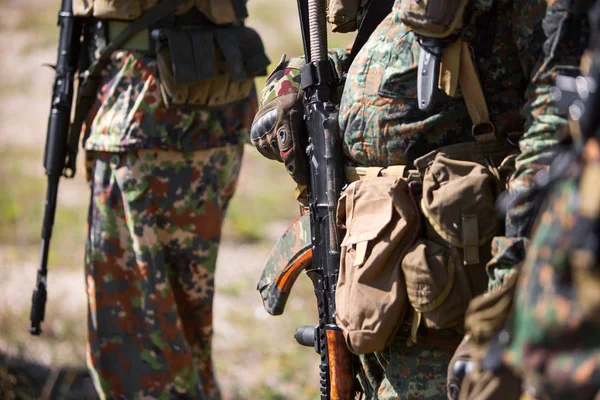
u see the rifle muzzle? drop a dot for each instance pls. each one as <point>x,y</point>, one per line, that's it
<point>38,307</point>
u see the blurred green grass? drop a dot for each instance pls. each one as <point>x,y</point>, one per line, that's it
<point>22,207</point>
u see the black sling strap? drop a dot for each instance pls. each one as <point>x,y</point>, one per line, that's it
<point>377,10</point>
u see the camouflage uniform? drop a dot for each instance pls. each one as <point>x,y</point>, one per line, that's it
<point>518,50</point>
<point>555,326</point>
<point>161,181</point>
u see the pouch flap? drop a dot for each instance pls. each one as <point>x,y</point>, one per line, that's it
<point>429,272</point>
<point>369,208</point>
<point>204,53</point>
<point>228,44</point>
<point>436,285</point>
<point>459,201</point>
<point>253,51</point>
<point>182,56</point>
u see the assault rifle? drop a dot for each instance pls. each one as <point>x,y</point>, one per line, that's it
<point>318,80</point>
<point>60,154</point>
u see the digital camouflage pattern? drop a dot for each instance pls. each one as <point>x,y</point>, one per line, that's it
<point>130,114</point>
<point>555,326</point>
<point>154,227</point>
<point>517,58</point>
<point>519,48</point>
<point>407,372</point>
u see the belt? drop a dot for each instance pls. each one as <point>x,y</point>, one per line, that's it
<point>401,171</point>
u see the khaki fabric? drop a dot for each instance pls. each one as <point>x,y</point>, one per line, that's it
<point>433,18</point>
<point>379,216</point>
<point>436,284</point>
<point>445,268</point>
<point>218,11</point>
<point>342,14</point>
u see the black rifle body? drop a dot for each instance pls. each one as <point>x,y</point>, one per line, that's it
<point>58,159</point>
<point>324,150</point>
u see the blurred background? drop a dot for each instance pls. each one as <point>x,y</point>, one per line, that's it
<point>255,354</point>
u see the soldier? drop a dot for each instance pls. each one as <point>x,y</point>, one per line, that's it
<point>452,135</point>
<point>546,342</point>
<point>163,145</point>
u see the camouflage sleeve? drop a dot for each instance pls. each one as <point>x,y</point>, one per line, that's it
<point>550,38</point>
<point>553,332</point>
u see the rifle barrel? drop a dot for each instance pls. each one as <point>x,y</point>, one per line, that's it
<point>55,152</point>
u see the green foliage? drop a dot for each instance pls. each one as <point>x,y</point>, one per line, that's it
<point>22,207</point>
<point>265,194</point>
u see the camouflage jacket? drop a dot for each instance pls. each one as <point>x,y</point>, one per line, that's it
<point>129,113</point>
<point>554,329</point>
<point>518,49</point>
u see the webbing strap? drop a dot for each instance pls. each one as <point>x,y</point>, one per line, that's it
<point>458,70</point>
<point>472,92</point>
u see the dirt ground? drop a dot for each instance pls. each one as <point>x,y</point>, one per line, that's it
<point>255,354</point>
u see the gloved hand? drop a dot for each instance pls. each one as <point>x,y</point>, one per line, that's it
<point>278,128</point>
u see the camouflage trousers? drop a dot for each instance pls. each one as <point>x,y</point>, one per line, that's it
<point>154,226</point>
<point>408,371</point>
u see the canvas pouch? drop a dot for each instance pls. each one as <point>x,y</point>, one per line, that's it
<point>446,267</point>
<point>208,67</point>
<point>378,215</point>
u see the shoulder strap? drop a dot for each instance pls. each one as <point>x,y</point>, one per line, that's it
<point>377,10</point>
<point>90,78</point>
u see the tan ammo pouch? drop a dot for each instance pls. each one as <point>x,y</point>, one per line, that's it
<point>446,268</point>
<point>342,15</point>
<point>217,11</point>
<point>379,216</point>
<point>433,18</point>
<point>208,67</point>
